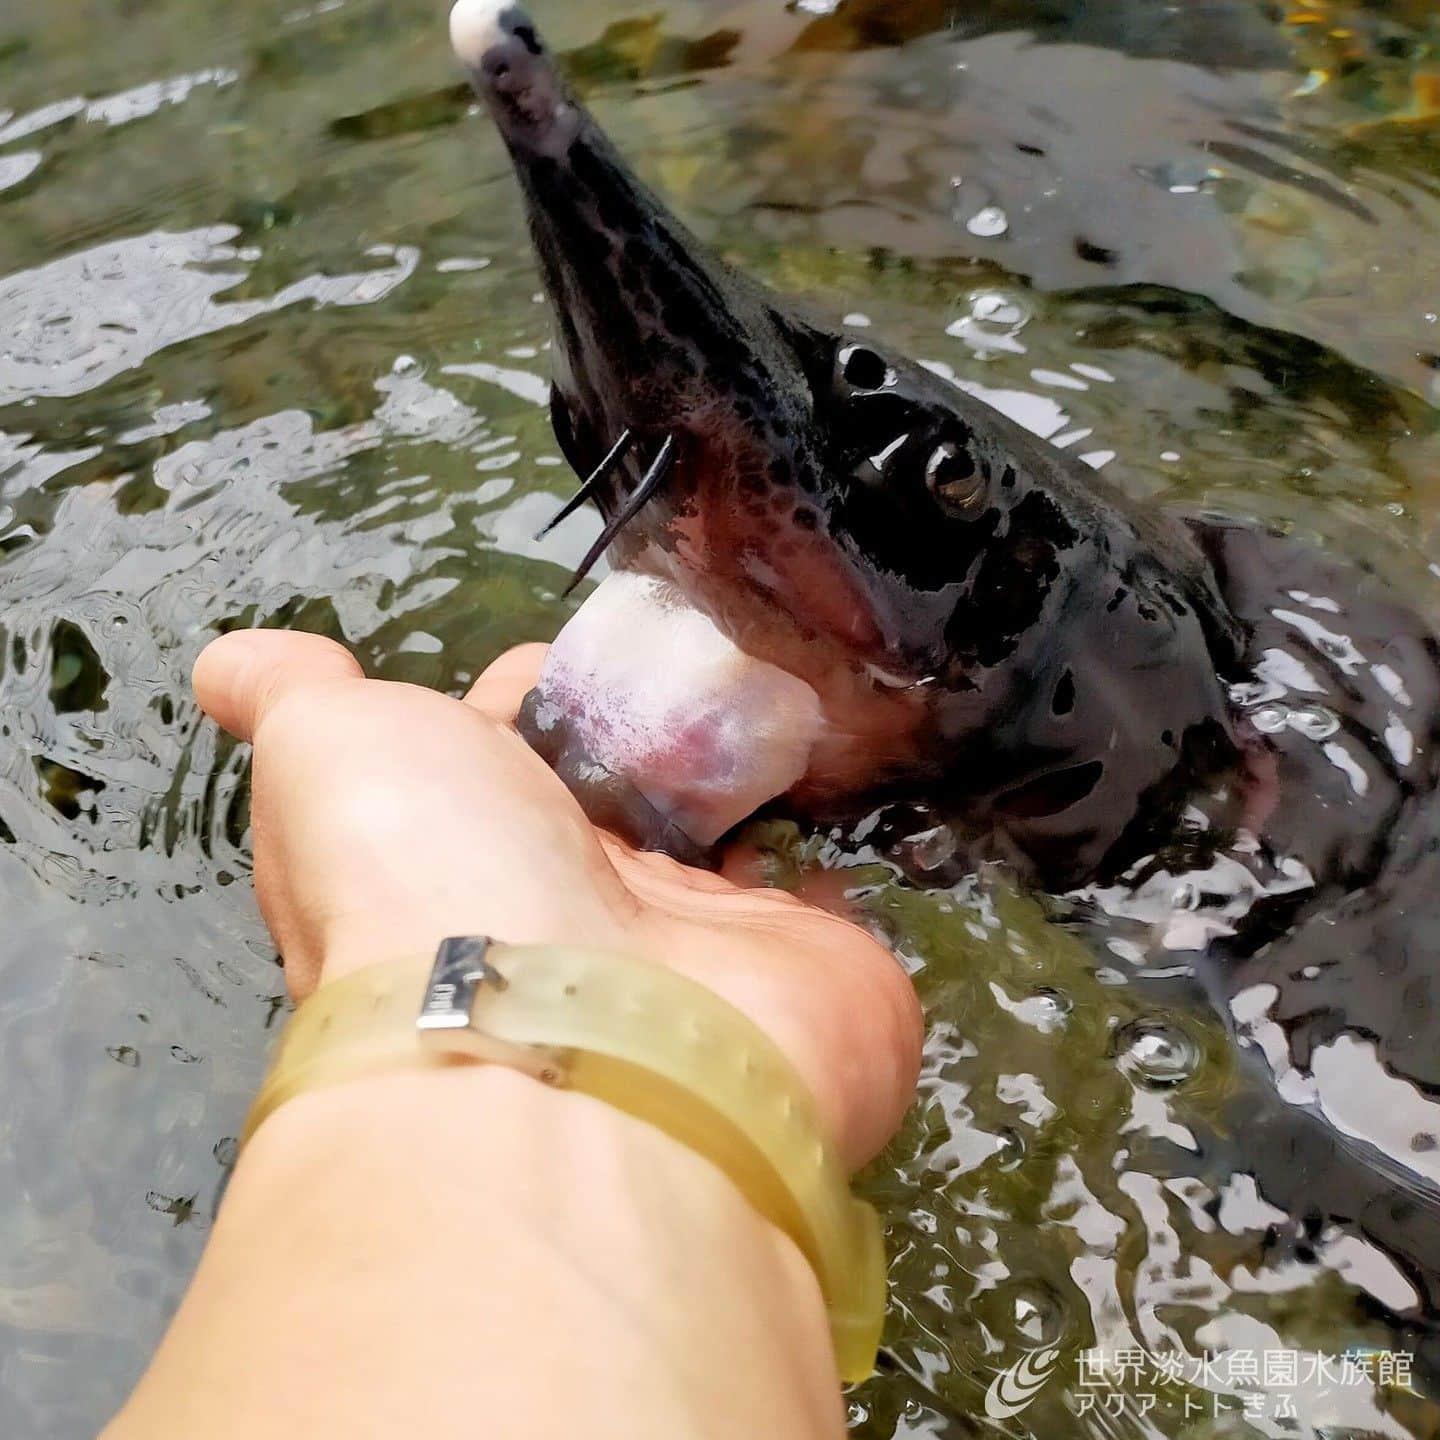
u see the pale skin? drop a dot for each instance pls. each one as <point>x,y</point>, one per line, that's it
<point>466,1252</point>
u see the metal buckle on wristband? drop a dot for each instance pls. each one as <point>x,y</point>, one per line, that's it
<point>459,971</point>
<point>447,1024</point>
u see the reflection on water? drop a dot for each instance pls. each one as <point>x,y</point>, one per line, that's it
<point>270,351</point>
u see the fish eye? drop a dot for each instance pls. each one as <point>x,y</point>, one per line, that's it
<point>951,476</point>
<point>863,368</point>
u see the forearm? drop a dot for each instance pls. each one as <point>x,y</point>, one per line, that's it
<point>467,1253</point>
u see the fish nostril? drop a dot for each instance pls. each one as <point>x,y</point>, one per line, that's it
<point>863,368</point>
<point>1063,700</point>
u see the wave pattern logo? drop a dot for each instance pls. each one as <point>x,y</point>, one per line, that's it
<point>1014,1389</point>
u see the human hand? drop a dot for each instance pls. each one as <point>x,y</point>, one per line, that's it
<point>386,817</point>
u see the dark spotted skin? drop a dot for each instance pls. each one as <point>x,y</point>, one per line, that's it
<point>1041,606</point>
<point>980,574</point>
<point>1015,648</point>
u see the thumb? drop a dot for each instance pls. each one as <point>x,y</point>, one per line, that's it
<point>239,677</point>
<point>505,683</point>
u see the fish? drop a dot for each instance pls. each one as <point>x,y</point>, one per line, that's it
<point>842,585</point>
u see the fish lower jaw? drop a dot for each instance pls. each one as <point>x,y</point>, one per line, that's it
<point>643,691</point>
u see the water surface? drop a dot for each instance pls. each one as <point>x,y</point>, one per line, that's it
<point>271,352</point>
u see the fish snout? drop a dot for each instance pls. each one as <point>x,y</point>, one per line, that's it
<point>511,70</point>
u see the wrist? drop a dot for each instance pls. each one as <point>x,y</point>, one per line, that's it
<point>578,1262</point>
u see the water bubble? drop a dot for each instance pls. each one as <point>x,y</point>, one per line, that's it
<point>995,319</point>
<point>1027,1313</point>
<point>1184,176</point>
<point>1155,1054</point>
<point>1185,896</point>
<point>930,849</point>
<point>988,222</point>
<point>1055,1002</point>
<point>999,310</point>
<point>1315,722</point>
<point>1009,1148</point>
<point>1041,1008</point>
<point>1270,719</point>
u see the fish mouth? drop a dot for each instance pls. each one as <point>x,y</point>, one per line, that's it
<point>667,730</point>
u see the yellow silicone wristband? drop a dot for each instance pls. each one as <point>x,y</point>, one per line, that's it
<point>648,1041</point>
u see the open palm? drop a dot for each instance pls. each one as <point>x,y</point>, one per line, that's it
<point>386,816</point>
